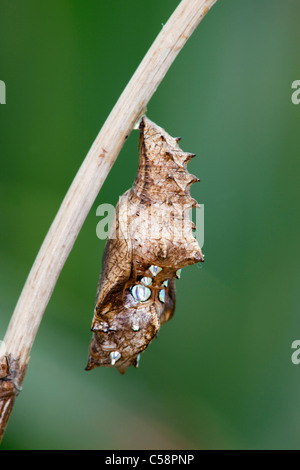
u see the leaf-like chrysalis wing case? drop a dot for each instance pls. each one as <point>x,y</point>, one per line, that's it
<point>150,241</point>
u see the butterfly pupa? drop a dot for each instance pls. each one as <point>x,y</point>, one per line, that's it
<point>150,241</point>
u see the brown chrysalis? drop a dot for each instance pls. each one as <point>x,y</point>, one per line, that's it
<point>150,242</point>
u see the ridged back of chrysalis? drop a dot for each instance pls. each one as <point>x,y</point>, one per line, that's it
<point>160,202</point>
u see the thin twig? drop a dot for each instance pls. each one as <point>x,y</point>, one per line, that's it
<point>82,193</point>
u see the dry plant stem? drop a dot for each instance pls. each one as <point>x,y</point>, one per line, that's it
<point>83,191</point>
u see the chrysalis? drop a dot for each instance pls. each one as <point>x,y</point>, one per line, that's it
<point>150,242</point>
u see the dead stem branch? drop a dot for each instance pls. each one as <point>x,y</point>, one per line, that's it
<point>82,193</point>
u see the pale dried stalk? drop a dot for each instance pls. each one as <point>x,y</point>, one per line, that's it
<point>83,191</point>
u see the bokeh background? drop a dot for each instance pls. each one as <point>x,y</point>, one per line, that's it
<point>220,375</point>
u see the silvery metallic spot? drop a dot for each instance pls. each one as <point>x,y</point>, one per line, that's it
<point>147,281</point>
<point>141,293</point>
<point>165,283</point>
<point>138,357</point>
<point>135,327</point>
<point>114,357</point>
<point>178,273</point>
<point>162,295</point>
<point>155,270</point>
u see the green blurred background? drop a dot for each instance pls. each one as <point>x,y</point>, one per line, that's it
<point>220,375</point>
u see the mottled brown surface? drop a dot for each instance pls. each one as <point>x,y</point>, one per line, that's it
<point>152,227</point>
<point>10,375</point>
